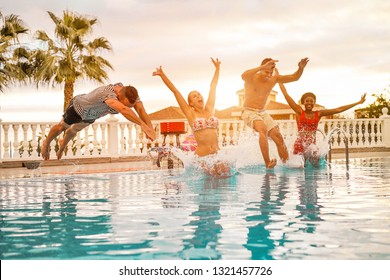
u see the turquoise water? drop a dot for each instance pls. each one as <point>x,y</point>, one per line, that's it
<point>326,213</point>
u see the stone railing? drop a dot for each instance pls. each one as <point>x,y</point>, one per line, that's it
<point>114,138</point>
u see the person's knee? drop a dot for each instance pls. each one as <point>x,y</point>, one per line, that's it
<point>261,129</point>
<point>60,127</point>
<point>278,138</point>
<point>263,133</point>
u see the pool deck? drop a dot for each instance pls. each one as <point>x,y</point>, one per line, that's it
<point>67,167</point>
<point>89,166</point>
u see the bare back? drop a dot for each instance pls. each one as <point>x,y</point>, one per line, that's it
<point>257,91</point>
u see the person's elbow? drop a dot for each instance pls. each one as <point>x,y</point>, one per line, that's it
<point>244,75</point>
<point>122,109</point>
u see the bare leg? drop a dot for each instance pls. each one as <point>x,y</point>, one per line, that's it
<point>70,133</point>
<point>260,127</point>
<point>55,130</point>
<point>280,145</point>
<point>313,155</point>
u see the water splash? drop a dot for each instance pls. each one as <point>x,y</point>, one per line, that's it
<point>249,154</point>
<point>219,165</point>
<point>245,155</point>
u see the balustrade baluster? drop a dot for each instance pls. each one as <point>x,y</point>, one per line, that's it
<point>130,140</point>
<point>358,134</point>
<point>41,138</point>
<point>34,142</point>
<point>6,144</point>
<point>103,140</point>
<point>160,140</point>
<point>86,141</point>
<point>95,142</point>
<point>235,133</point>
<point>377,134</point>
<point>24,147</point>
<point>367,135</point>
<point>78,145</point>
<point>122,141</point>
<point>349,134</point>
<point>15,144</point>
<point>145,145</point>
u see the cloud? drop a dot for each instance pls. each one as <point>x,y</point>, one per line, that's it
<point>345,40</point>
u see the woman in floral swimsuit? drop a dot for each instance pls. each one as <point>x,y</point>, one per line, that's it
<point>307,128</point>
<point>204,124</point>
<point>307,122</point>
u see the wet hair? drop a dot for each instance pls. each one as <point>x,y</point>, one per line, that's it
<point>131,93</point>
<point>308,94</point>
<point>265,60</point>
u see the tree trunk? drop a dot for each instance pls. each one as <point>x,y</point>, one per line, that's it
<point>68,93</point>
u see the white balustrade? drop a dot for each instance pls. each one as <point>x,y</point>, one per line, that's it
<point>114,138</point>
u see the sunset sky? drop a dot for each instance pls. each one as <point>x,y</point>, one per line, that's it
<point>347,42</point>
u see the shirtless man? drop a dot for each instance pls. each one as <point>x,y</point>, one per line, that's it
<point>84,109</point>
<point>258,83</point>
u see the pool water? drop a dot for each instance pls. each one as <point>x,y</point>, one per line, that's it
<point>326,213</point>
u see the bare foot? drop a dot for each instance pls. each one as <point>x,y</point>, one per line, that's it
<point>271,164</point>
<point>61,148</point>
<point>45,150</point>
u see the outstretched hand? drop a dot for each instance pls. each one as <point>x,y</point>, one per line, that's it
<point>363,98</point>
<point>150,134</point>
<point>303,62</point>
<point>158,72</point>
<point>216,62</point>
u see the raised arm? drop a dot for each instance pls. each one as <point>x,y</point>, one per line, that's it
<point>297,109</point>
<point>295,76</point>
<point>140,109</point>
<point>248,74</point>
<point>130,115</point>
<point>179,98</point>
<point>210,104</point>
<point>341,109</point>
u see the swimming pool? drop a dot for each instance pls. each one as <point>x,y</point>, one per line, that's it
<point>326,213</point>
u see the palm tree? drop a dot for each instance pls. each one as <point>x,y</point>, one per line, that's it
<point>14,58</point>
<point>70,57</point>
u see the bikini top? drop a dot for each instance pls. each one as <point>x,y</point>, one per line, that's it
<point>203,123</point>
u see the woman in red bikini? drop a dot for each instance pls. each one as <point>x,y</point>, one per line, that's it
<point>307,122</point>
<point>204,124</point>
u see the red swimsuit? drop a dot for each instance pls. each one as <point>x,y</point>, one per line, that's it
<point>307,129</point>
